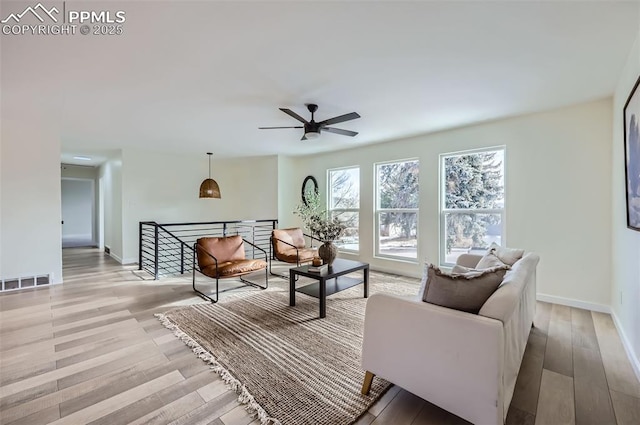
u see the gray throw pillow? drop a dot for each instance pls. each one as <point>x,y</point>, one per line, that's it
<point>464,292</point>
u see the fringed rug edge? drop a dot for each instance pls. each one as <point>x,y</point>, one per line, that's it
<point>244,396</point>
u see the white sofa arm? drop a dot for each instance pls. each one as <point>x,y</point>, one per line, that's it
<point>448,357</point>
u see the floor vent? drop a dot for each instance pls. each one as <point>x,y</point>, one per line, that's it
<point>24,282</point>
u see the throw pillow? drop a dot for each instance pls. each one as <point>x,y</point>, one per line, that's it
<point>507,255</point>
<point>490,260</point>
<point>458,269</point>
<point>497,256</point>
<point>464,292</point>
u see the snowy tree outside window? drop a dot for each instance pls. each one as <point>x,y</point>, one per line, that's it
<point>472,206</point>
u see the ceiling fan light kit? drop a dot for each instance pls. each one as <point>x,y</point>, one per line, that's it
<point>313,129</point>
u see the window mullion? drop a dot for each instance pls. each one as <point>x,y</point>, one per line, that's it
<point>473,211</point>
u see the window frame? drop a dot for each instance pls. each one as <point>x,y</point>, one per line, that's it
<point>444,211</point>
<point>331,210</point>
<point>377,211</point>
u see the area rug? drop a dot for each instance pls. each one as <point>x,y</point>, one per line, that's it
<point>289,366</point>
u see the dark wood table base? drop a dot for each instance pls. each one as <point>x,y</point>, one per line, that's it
<point>329,282</point>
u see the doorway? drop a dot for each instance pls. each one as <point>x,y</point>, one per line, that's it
<point>78,212</point>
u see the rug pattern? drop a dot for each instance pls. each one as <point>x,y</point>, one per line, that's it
<point>289,366</point>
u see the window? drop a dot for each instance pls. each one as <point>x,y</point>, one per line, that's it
<point>472,203</point>
<point>344,203</point>
<point>397,198</point>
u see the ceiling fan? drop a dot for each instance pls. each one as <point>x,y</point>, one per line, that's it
<point>312,129</point>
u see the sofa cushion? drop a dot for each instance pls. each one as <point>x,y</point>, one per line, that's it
<point>497,254</point>
<point>458,269</point>
<point>501,304</point>
<point>489,260</point>
<point>464,292</point>
<point>468,260</point>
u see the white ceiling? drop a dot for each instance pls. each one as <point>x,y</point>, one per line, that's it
<point>203,76</point>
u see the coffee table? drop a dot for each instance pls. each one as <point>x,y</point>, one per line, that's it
<point>329,282</point>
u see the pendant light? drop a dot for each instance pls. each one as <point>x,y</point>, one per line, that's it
<point>209,187</point>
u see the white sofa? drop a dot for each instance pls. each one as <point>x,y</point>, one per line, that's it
<point>465,363</point>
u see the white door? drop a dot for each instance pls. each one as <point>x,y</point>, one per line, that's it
<point>77,213</point>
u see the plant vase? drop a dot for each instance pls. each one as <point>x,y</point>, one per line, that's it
<point>328,252</point>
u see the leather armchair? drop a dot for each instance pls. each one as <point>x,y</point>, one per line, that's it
<point>289,245</point>
<point>224,257</point>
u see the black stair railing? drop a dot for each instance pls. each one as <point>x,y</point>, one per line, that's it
<point>166,249</point>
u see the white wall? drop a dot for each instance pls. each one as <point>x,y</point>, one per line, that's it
<point>625,288</point>
<point>164,188</point>
<point>30,190</point>
<point>558,183</point>
<point>77,209</point>
<point>287,177</point>
<point>110,180</point>
<point>89,173</point>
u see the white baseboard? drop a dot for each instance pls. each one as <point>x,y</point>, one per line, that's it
<point>633,357</point>
<point>391,270</point>
<point>83,236</point>
<point>123,261</point>
<point>570,302</point>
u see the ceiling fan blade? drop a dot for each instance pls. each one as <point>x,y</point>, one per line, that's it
<point>294,115</point>
<point>341,118</point>
<point>270,128</point>
<point>340,131</point>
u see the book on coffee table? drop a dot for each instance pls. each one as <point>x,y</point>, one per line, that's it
<point>318,269</point>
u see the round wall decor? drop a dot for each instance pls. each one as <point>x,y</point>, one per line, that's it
<point>309,186</point>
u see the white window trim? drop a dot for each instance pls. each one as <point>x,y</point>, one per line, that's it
<point>444,211</point>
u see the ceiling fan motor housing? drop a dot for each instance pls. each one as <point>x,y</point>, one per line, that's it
<point>312,127</point>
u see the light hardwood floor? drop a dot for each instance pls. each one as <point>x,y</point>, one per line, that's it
<point>91,351</point>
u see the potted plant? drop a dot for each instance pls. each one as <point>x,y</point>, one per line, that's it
<point>317,221</point>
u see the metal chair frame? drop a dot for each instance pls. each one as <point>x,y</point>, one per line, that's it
<point>273,255</point>
<point>218,277</point>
